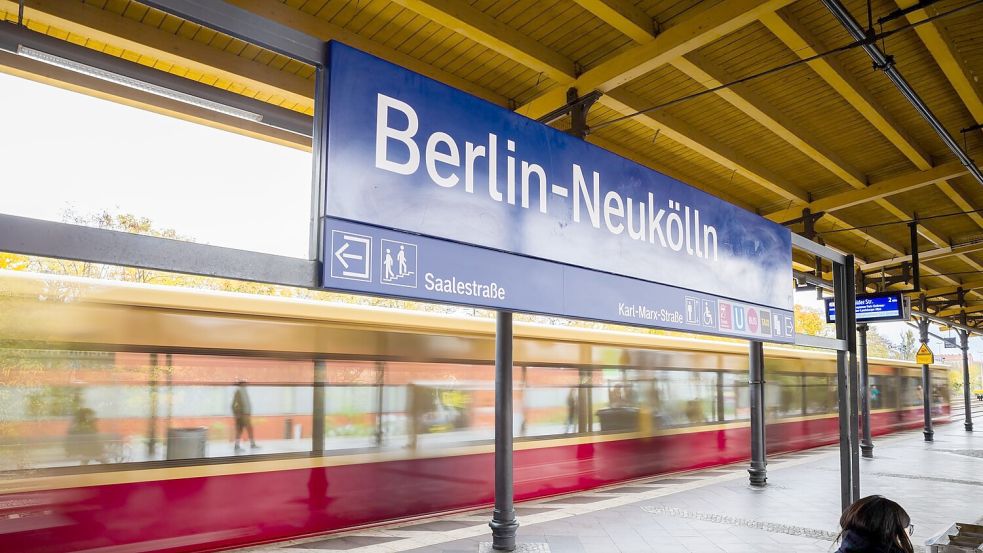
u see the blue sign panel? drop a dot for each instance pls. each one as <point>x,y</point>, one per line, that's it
<point>872,308</point>
<point>408,153</point>
<point>372,260</point>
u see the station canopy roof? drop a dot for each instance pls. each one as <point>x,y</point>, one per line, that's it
<point>805,123</point>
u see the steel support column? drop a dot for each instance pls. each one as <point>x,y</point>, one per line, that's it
<point>926,378</point>
<point>866,444</point>
<point>844,299</point>
<point>503,522</point>
<point>916,272</point>
<point>964,346</point>
<point>849,275</point>
<point>756,389</point>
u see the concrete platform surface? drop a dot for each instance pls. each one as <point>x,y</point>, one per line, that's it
<point>715,510</point>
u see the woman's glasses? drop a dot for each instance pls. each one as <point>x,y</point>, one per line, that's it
<point>911,529</point>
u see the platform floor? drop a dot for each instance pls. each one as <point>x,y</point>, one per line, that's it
<point>715,510</point>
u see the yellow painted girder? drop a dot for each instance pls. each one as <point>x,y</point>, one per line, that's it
<point>941,50</point>
<point>961,201</point>
<point>623,16</point>
<point>880,189</point>
<point>706,24</point>
<point>325,30</point>
<point>687,135</point>
<point>486,30</point>
<point>797,38</point>
<point>128,34</point>
<point>958,310</point>
<point>626,153</point>
<point>946,290</point>
<point>750,103</point>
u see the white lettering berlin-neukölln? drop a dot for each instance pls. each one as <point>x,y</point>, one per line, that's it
<point>674,226</point>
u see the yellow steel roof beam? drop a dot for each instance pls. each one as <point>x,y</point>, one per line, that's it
<point>706,24</point>
<point>685,134</point>
<point>756,108</point>
<point>929,234</point>
<point>877,190</point>
<point>802,44</point>
<point>961,201</point>
<point>626,153</point>
<point>623,16</point>
<point>492,33</point>
<point>798,40</point>
<point>946,290</point>
<point>678,131</point>
<point>941,50</point>
<point>711,76</point>
<point>325,30</point>
<point>128,34</point>
<point>959,310</point>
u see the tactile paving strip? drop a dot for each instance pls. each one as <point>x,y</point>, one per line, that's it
<point>743,522</point>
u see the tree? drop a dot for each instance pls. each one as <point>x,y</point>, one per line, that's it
<point>13,262</point>
<point>877,345</point>
<point>908,346</point>
<point>811,322</point>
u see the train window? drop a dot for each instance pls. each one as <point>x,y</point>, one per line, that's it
<point>820,394</point>
<point>684,397</point>
<point>783,395</point>
<point>736,403</point>
<point>883,392</point>
<point>911,391</point>
<point>551,400</point>
<point>437,405</point>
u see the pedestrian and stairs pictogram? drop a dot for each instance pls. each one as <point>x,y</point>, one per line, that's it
<point>399,263</point>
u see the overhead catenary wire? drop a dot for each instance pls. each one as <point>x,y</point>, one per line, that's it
<point>902,221</point>
<point>783,67</point>
<point>886,64</point>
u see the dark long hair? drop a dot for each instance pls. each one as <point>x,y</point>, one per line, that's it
<point>879,520</point>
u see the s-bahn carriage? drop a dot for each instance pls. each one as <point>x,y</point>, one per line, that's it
<point>117,399</point>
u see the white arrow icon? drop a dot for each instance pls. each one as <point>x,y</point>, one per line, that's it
<point>350,256</point>
<point>341,255</point>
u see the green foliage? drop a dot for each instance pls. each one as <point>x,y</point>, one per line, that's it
<point>908,346</point>
<point>955,381</point>
<point>877,345</point>
<point>811,322</point>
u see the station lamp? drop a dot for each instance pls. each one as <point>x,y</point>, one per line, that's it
<point>135,84</point>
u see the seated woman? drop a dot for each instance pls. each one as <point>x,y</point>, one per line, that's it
<point>875,524</point>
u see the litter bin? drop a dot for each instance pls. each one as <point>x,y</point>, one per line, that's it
<point>958,538</point>
<point>186,443</point>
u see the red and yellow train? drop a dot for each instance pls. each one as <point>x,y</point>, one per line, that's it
<point>117,431</point>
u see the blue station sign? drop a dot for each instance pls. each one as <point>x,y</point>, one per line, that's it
<point>875,308</point>
<point>473,191</point>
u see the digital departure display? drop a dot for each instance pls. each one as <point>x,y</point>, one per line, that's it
<point>874,308</point>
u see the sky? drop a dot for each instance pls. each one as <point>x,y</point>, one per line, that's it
<point>62,151</point>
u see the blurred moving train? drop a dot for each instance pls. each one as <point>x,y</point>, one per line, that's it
<point>117,426</point>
